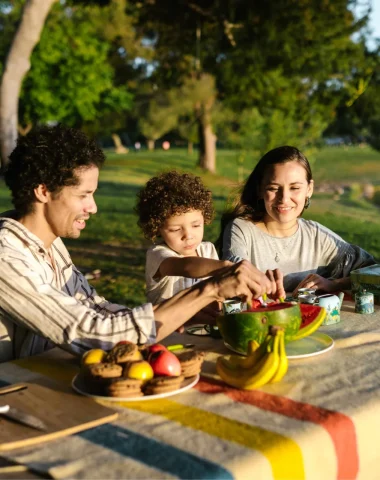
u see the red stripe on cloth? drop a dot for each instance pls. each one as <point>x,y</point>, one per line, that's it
<point>340,427</point>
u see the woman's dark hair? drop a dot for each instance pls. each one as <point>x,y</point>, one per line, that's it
<point>248,205</point>
<point>49,156</point>
<point>171,193</point>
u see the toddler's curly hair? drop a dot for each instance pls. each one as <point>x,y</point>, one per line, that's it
<point>171,193</point>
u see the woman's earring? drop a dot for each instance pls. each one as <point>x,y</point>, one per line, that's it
<point>307,203</point>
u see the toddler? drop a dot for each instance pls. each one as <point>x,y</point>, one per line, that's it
<point>174,207</point>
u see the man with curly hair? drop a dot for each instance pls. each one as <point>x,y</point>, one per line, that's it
<point>44,299</point>
<point>174,207</point>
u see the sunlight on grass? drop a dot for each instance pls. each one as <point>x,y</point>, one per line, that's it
<point>347,164</point>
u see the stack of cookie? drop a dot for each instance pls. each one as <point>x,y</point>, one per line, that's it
<point>107,378</point>
<point>125,388</point>
<point>191,363</point>
<point>110,377</point>
<point>163,385</point>
<point>97,376</point>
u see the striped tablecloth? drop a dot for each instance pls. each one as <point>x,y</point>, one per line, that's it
<point>322,421</point>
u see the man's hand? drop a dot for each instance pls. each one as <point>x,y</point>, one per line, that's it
<point>276,278</point>
<point>316,282</point>
<point>242,280</point>
<point>207,314</point>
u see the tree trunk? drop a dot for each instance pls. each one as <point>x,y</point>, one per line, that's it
<point>207,143</point>
<point>189,148</point>
<point>16,66</point>
<point>119,147</point>
<point>150,144</point>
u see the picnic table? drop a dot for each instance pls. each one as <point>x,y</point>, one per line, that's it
<point>322,421</point>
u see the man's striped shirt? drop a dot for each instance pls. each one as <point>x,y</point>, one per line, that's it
<point>46,302</point>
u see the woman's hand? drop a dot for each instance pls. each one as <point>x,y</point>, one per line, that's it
<point>317,283</point>
<point>276,278</point>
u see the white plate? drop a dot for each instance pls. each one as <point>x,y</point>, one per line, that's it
<point>188,383</point>
<point>314,344</point>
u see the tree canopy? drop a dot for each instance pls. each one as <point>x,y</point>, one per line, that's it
<point>252,74</point>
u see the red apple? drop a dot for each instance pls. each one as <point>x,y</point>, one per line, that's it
<point>165,363</point>
<point>157,347</point>
<point>123,342</point>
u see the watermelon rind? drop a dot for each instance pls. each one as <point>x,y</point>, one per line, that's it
<point>237,329</point>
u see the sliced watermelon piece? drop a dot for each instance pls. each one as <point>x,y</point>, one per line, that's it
<point>253,305</point>
<point>312,318</point>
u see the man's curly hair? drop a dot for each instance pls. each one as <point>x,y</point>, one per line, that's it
<point>168,194</point>
<point>49,156</point>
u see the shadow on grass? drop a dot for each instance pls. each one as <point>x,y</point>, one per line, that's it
<point>122,277</point>
<point>110,259</point>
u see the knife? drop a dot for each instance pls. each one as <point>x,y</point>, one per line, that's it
<point>179,346</point>
<point>22,417</point>
<point>12,388</point>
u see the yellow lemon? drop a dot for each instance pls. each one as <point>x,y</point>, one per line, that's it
<point>141,370</point>
<point>95,355</point>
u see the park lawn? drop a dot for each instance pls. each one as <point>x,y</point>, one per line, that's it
<point>113,243</point>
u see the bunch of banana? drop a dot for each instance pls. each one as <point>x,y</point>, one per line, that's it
<point>263,364</point>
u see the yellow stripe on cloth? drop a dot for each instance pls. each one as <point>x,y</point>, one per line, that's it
<point>52,368</point>
<point>284,455</point>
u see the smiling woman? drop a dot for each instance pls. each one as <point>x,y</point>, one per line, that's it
<point>266,228</point>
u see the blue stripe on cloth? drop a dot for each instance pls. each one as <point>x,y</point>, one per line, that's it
<point>155,454</point>
<point>4,383</point>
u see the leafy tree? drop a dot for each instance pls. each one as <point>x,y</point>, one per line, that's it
<point>276,56</point>
<point>358,114</point>
<point>188,129</point>
<point>197,96</point>
<point>157,119</point>
<point>15,68</point>
<point>71,79</point>
<point>80,68</point>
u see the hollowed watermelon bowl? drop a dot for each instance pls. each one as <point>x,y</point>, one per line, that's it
<point>298,320</point>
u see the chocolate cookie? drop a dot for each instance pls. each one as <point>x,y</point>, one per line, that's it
<point>162,385</point>
<point>124,387</point>
<point>97,376</point>
<point>104,370</point>
<point>122,353</point>
<point>191,363</point>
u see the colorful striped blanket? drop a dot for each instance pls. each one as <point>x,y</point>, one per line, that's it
<point>320,422</point>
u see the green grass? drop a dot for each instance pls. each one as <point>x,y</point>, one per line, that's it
<point>113,243</point>
<point>347,164</point>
